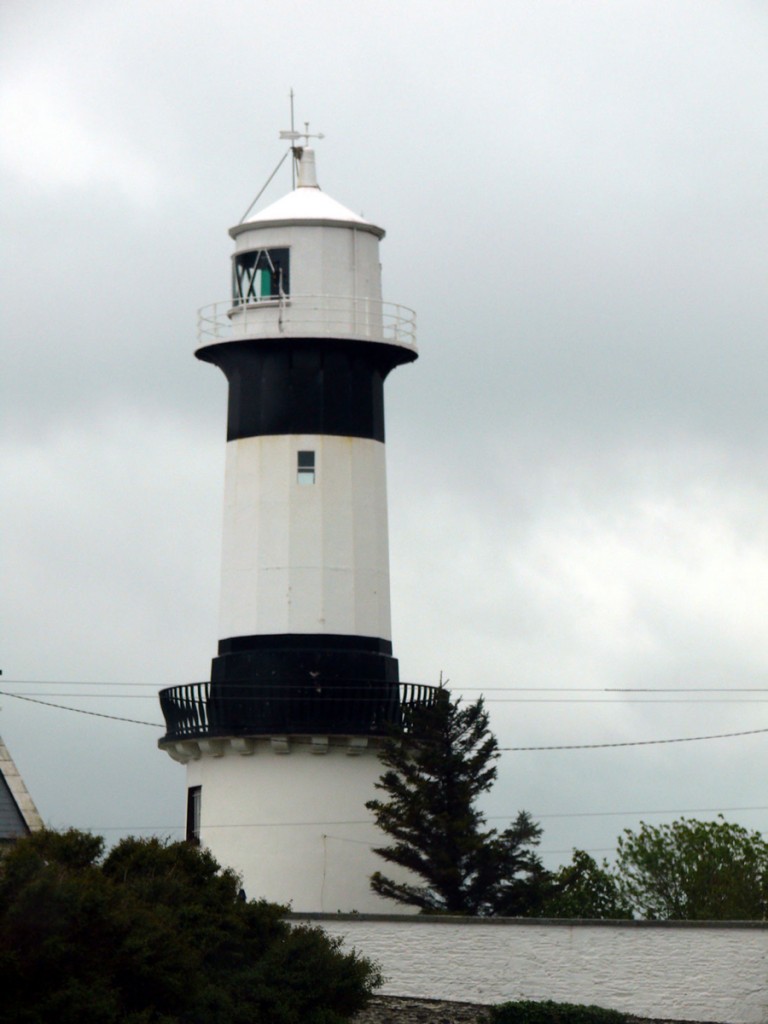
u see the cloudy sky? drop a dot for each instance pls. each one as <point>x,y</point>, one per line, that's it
<point>575,202</point>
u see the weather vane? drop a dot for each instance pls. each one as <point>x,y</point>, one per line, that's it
<point>292,135</point>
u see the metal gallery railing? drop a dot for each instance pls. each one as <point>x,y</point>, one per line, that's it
<point>313,316</point>
<point>206,710</point>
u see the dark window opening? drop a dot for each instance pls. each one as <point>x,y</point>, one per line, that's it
<point>306,468</point>
<point>193,814</point>
<point>260,275</point>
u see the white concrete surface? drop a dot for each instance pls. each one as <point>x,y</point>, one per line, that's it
<point>305,558</point>
<point>673,971</point>
<point>289,815</point>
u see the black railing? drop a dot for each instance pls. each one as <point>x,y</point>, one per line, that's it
<point>197,711</point>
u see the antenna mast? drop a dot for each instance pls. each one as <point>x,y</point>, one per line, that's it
<point>291,136</point>
<point>293,162</point>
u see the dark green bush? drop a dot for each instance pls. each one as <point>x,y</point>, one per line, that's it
<point>157,933</point>
<point>528,1012</point>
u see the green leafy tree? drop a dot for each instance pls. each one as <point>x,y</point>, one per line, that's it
<point>694,870</point>
<point>586,890</point>
<point>433,778</point>
<point>157,933</point>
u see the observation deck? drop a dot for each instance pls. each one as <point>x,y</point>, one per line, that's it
<point>308,316</point>
<point>193,712</point>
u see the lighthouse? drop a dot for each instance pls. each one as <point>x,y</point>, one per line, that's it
<point>281,745</point>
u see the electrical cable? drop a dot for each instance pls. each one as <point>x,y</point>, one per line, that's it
<point>155,687</point>
<point>639,743</point>
<point>561,746</point>
<point>331,692</point>
<point>81,711</point>
<point>266,183</point>
<point>493,700</point>
<point>488,817</point>
<point>497,700</point>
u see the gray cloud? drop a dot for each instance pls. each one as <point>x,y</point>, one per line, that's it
<point>574,202</point>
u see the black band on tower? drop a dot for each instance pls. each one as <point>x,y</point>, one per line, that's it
<point>302,641</point>
<point>306,386</point>
<point>304,689</point>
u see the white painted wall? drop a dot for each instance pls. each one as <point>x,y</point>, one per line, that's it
<point>323,259</point>
<point>293,824</point>
<point>335,264</point>
<point>679,971</point>
<point>305,558</point>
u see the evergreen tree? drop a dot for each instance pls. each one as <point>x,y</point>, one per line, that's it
<point>435,771</point>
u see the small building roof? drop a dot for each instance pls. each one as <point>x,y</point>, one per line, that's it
<point>18,814</point>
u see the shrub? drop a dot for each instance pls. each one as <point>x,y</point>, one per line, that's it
<point>528,1012</point>
<point>158,933</point>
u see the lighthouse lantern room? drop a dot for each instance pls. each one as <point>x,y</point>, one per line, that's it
<point>281,745</point>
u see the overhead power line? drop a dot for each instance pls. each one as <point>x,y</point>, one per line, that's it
<point>623,814</point>
<point>156,686</point>
<point>287,696</point>
<point>488,817</point>
<point>640,743</point>
<point>561,746</point>
<point>80,711</point>
<point>331,692</point>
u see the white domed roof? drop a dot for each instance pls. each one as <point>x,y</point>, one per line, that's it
<point>307,204</point>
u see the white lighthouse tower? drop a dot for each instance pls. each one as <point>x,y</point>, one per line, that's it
<point>281,746</point>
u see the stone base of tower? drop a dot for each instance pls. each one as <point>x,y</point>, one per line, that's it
<point>288,814</point>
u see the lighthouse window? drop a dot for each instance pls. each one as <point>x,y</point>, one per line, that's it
<point>260,276</point>
<point>193,814</point>
<point>306,468</point>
